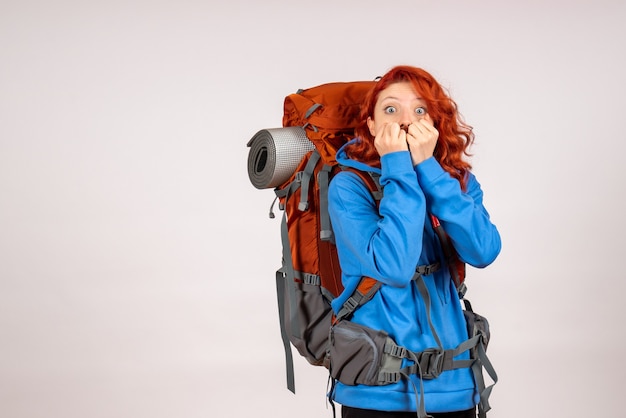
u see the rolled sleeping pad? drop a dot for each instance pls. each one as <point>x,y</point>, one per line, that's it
<point>275,154</point>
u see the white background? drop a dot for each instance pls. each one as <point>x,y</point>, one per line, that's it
<point>137,260</point>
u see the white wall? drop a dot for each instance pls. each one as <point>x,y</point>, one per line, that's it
<point>137,261</point>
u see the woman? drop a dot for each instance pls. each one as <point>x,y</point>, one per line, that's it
<point>412,135</point>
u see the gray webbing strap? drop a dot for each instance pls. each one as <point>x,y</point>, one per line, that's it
<point>476,364</point>
<point>356,299</point>
<point>288,269</point>
<point>308,278</point>
<point>280,291</point>
<point>447,359</point>
<point>420,405</point>
<point>314,280</point>
<point>285,192</point>
<point>485,392</point>
<point>285,278</point>
<point>312,109</point>
<point>326,232</point>
<point>378,193</point>
<point>388,376</point>
<point>305,180</point>
<point>450,363</point>
<point>421,286</point>
<point>289,277</point>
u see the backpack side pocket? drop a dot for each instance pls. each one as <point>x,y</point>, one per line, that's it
<point>357,354</point>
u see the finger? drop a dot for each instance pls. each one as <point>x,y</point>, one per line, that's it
<point>394,130</point>
<point>417,130</point>
<point>428,127</point>
<point>380,133</point>
<point>396,137</point>
<point>426,122</point>
<point>411,140</point>
<point>402,136</point>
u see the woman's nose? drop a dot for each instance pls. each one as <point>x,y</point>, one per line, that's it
<point>406,118</point>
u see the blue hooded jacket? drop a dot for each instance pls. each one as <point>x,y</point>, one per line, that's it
<point>387,243</point>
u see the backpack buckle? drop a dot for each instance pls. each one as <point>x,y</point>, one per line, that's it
<point>425,270</point>
<point>431,363</point>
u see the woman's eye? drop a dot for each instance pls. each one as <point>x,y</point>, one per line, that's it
<point>420,111</point>
<point>390,109</point>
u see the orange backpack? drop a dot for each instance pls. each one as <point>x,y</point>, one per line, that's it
<point>310,277</point>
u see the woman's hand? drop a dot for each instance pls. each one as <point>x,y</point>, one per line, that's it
<point>390,138</point>
<point>422,139</point>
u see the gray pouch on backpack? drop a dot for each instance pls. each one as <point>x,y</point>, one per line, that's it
<point>357,354</point>
<point>477,324</point>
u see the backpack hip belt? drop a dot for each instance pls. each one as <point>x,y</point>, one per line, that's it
<point>362,355</point>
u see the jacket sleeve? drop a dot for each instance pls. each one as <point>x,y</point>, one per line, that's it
<point>380,242</point>
<point>462,214</point>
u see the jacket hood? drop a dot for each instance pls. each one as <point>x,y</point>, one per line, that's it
<point>343,159</point>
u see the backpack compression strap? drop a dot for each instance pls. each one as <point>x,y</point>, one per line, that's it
<point>280,291</point>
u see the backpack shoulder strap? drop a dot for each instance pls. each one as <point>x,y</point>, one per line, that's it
<point>371,180</point>
<point>364,292</point>
<point>367,286</point>
<point>456,266</point>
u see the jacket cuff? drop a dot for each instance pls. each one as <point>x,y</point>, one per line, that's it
<point>429,170</point>
<point>396,162</point>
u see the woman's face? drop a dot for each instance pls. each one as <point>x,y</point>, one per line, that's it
<point>398,103</point>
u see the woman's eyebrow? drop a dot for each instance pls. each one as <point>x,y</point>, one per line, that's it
<point>395,98</point>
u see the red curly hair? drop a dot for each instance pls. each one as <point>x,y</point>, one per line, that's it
<point>455,136</point>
